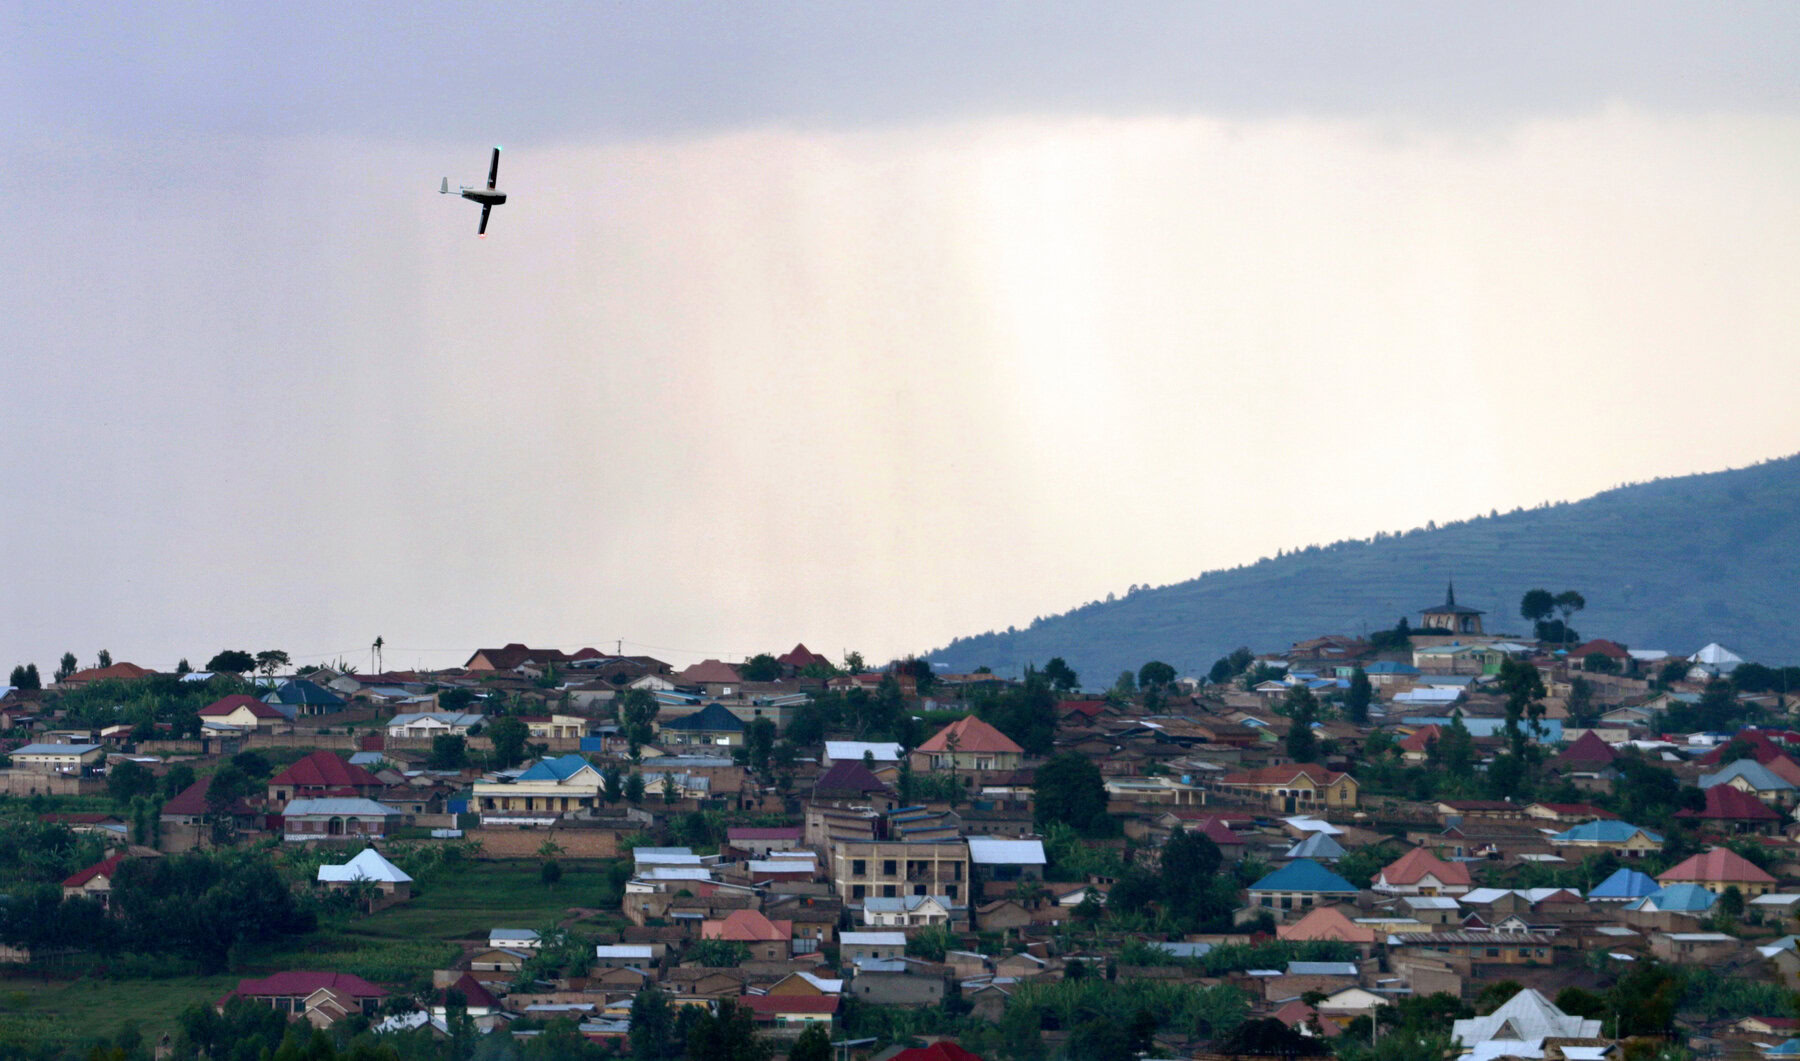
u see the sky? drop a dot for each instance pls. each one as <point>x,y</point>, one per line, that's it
<point>859,325</point>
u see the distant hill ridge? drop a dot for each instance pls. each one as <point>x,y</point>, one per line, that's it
<point>1669,564</point>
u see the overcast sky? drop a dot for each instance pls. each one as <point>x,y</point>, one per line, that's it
<point>864,326</point>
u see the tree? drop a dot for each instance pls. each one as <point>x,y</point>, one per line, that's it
<point>231,661</point>
<point>853,663</point>
<point>653,1027</point>
<point>1581,701</point>
<point>1455,748</point>
<point>1061,676</point>
<point>1599,663</point>
<point>449,751</point>
<point>1220,672</point>
<point>1731,903</point>
<point>634,788</point>
<point>718,953</point>
<point>1069,789</point>
<point>129,780</point>
<point>814,1044</point>
<point>25,677</point>
<point>1155,675</point>
<point>181,667</point>
<point>729,1035</point>
<point>759,744</point>
<point>254,764</point>
<point>508,735</point>
<point>1536,605</point>
<point>550,872</point>
<point>637,709</point>
<point>179,779</point>
<point>1302,711</point>
<point>761,667</point>
<point>612,781</point>
<point>270,661</point>
<point>1356,701</point>
<point>66,666</point>
<point>103,658</point>
<point>669,792</point>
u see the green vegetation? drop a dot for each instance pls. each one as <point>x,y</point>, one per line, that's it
<point>1632,548</point>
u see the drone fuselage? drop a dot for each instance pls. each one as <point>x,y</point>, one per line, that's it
<point>484,196</point>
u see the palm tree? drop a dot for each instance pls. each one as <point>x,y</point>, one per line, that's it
<point>375,649</point>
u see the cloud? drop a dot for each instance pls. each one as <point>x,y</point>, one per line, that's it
<point>865,389</point>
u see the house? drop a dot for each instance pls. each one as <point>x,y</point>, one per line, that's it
<point>1300,885</point>
<point>338,817</point>
<point>319,997</point>
<point>1320,847</point>
<point>899,982</point>
<point>1718,869</point>
<point>94,882</point>
<point>942,1050</point>
<point>711,725</point>
<point>968,744</point>
<point>58,758</point>
<point>1623,886</point>
<point>1527,1019</point>
<point>767,940</point>
<point>1005,861</point>
<point>791,1010</point>
<point>891,868</point>
<point>1567,813</point>
<point>369,866</point>
<point>555,727</point>
<point>512,657</point>
<point>1588,752</point>
<point>477,1000</point>
<point>1296,787</point>
<point>424,725</point>
<point>1419,872</point>
<point>851,781</point>
<point>189,807</point>
<point>762,841</point>
<point>1326,923</point>
<point>799,658</point>
<point>241,711</point>
<point>627,955</point>
<point>1621,838</point>
<point>304,697</point>
<point>323,774</point>
<point>515,938</point>
<point>855,946</point>
<point>1694,948</point>
<point>1451,617</point>
<point>711,676</point>
<point>1416,747</point>
<point>906,911</point>
<point>1755,779</point>
<point>1675,898</point>
<point>540,794</point>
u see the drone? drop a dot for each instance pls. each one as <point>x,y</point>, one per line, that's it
<point>488,197</point>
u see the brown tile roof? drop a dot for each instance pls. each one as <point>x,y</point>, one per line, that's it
<point>707,671</point>
<point>1724,803</point>
<point>322,769</point>
<point>972,735</point>
<point>1264,776</point>
<point>1717,866</point>
<point>801,657</point>
<point>1412,867</point>
<point>1588,748</point>
<point>225,706</point>
<point>104,868</point>
<point>123,671</point>
<point>747,926</point>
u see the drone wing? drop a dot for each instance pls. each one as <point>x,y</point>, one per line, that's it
<point>494,170</point>
<point>482,231</point>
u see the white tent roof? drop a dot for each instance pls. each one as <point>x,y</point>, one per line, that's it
<point>1715,654</point>
<point>1526,1020</point>
<point>367,866</point>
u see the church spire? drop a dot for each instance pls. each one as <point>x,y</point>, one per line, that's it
<point>1450,594</point>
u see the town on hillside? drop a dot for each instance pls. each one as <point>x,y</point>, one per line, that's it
<point>1466,837</point>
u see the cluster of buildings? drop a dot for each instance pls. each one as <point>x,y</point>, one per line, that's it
<point>865,894</point>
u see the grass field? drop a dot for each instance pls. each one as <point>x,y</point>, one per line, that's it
<point>395,945</point>
<point>67,1010</point>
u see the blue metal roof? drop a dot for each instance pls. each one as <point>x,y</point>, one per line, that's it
<point>1687,897</point>
<point>1624,884</point>
<point>1303,875</point>
<point>711,718</point>
<point>1602,832</point>
<point>559,769</point>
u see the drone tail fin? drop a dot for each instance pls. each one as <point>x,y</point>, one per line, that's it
<point>444,189</point>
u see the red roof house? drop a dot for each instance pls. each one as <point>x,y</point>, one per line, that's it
<point>1718,869</point>
<point>800,658</point>
<point>323,774</point>
<point>1588,752</point>
<point>942,1050</point>
<point>1419,872</point>
<point>1738,809</point>
<point>968,744</point>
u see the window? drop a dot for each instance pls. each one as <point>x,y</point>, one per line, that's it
<point>887,891</point>
<point>859,868</point>
<point>889,867</point>
<point>857,891</point>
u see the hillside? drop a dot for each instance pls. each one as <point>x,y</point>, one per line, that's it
<point>1669,564</point>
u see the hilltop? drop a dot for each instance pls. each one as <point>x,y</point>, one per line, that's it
<point>1670,564</point>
